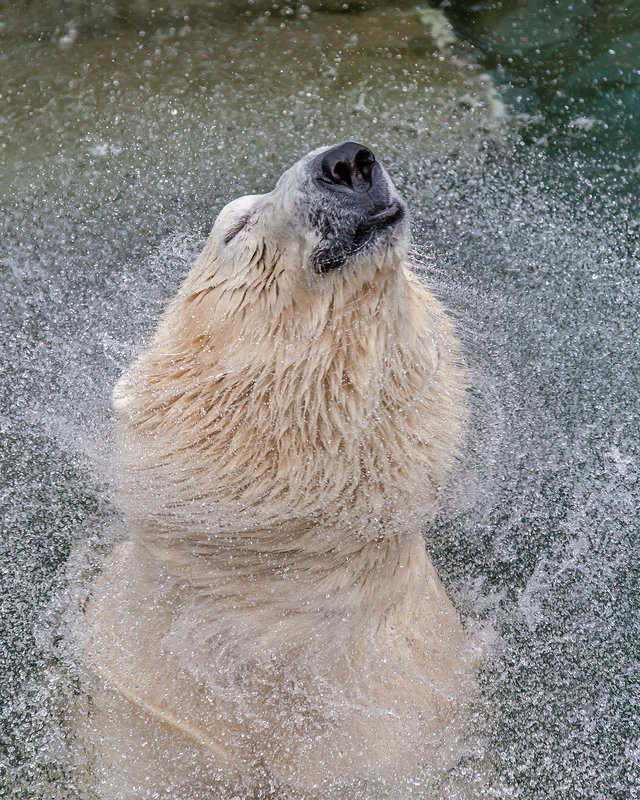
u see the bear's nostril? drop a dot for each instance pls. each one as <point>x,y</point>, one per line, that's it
<point>339,173</point>
<point>364,162</point>
<point>349,164</point>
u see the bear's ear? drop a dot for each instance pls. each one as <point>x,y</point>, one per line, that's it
<point>235,229</point>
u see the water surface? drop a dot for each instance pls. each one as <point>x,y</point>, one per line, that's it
<point>120,141</point>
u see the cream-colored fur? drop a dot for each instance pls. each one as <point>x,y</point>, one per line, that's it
<point>274,619</point>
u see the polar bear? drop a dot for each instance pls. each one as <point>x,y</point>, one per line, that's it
<point>273,625</point>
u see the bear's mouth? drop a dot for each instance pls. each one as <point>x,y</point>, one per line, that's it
<point>375,222</point>
<point>334,255</point>
<point>393,213</point>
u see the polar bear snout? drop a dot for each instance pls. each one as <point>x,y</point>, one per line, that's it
<point>353,207</point>
<point>350,165</point>
<point>354,179</point>
<point>350,172</point>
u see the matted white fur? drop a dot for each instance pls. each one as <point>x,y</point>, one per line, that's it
<point>274,621</point>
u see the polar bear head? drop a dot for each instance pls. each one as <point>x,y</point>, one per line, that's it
<point>335,214</point>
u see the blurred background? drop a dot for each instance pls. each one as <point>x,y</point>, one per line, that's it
<point>512,129</point>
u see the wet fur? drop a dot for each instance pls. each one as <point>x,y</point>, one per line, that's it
<point>274,615</point>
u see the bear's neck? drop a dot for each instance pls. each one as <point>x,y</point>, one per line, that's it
<point>254,438</point>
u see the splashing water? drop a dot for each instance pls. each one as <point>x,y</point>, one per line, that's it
<point>118,150</point>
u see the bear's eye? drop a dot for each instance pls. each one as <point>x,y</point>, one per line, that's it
<point>235,229</point>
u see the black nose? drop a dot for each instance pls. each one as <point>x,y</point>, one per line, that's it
<point>349,164</point>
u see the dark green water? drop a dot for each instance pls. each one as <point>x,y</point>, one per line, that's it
<point>120,139</point>
<point>570,66</point>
